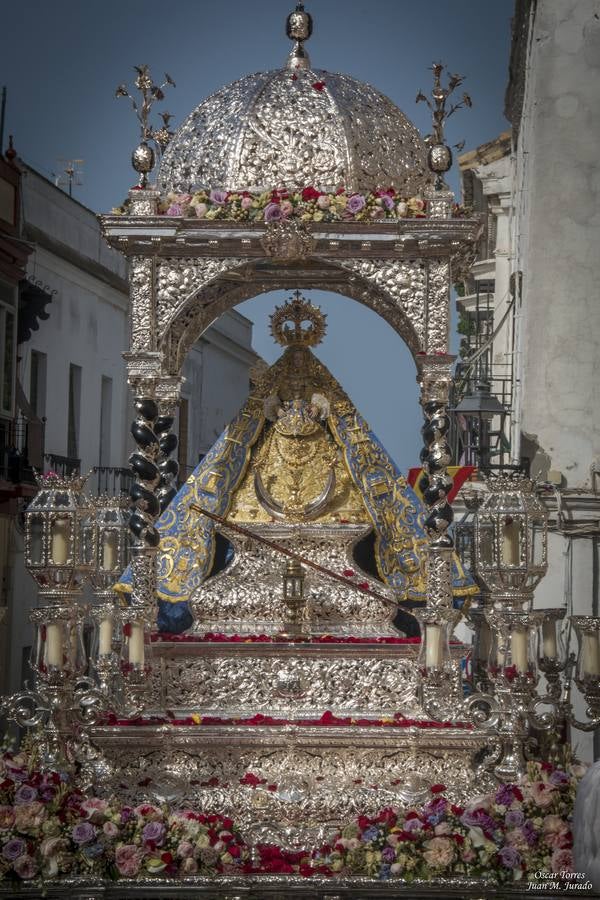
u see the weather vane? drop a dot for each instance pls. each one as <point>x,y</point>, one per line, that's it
<point>439,157</point>
<point>143,157</point>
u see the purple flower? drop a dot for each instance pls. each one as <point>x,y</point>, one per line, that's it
<point>370,833</point>
<point>218,197</point>
<point>514,818</point>
<point>13,849</point>
<point>355,203</point>
<point>559,778</point>
<point>83,833</point>
<point>504,795</point>
<point>388,855</point>
<point>387,201</point>
<point>509,857</point>
<point>47,793</point>
<point>413,825</point>
<point>529,832</point>
<point>126,814</point>
<point>25,794</point>
<point>175,209</point>
<point>479,818</point>
<point>273,212</point>
<point>155,832</point>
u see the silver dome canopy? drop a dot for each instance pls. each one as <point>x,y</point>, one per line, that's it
<point>295,127</point>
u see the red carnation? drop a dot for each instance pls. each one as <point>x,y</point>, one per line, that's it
<point>458,838</point>
<point>310,193</point>
<point>363,822</point>
<point>166,857</point>
<point>319,85</point>
<point>517,793</point>
<point>437,788</point>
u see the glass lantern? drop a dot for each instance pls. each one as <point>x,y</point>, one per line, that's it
<point>54,545</point>
<point>58,650</point>
<point>514,645</point>
<point>437,626</point>
<point>587,629</point>
<point>511,528</point>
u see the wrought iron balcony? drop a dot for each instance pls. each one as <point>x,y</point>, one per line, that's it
<point>21,449</point>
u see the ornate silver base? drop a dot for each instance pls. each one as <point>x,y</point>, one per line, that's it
<point>311,780</point>
<point>276,887</point>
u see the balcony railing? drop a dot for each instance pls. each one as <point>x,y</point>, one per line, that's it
<point>112,480</point>
<point>62,465</point>
<point>21,449</point>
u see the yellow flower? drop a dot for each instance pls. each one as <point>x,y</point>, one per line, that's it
<point>196,719</point>
<point>318,215</point>
<point>226,859</point>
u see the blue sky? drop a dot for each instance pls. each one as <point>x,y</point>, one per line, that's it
<point>61,62</point>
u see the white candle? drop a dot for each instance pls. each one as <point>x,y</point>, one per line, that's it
<point>105,637</point>
<point>136,644</point>
<point>433,646</point>
<point>54,645</point>
<point>549,649</point>
<point>61,531</point>
<point>109,550</point>
<point>510,542</point>
<point>590,653</point>
<point>518,645</point>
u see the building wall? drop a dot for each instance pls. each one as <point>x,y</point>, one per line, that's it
<point>556,239</point>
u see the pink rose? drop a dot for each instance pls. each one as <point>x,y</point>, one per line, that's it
<point>147,811</point>
<point>439,852</point>
<point>562,861</point>
<point>29,817</point>
<point>95,808</point>
<point>128,859</point>
<point>287,208</point>
<point>517,839</point>
<point>201,209</point>
<point>25,867</point>
<point>468,855</point>
<point>402,209</point>
<point>323,202</point>
<point>110,829</point>
<point>189,866</point>
<point>442,828</point>
<point>542,793</point>
<point>7,818</point>
<point>246,202</point>
<point>554,825</point>
<point>185,849</point>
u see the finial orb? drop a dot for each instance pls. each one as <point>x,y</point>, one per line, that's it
<point>299,24</point>
<point>439,158</point>
<point>142,160</point>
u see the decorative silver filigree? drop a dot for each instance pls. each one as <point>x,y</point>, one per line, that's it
<point>293,129</point>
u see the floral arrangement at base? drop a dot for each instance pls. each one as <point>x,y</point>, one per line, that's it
<point>50,829</point>
<point>307,205</point>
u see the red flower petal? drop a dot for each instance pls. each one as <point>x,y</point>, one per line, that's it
<point>319,85</point>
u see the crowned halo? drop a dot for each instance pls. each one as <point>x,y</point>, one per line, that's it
<point>298,322</point>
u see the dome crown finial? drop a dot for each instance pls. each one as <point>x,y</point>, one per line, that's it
<point>298,27</point>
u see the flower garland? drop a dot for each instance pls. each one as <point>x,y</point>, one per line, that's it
<point>327,719</point>
<point>49,829</point>
<point>307,205</point>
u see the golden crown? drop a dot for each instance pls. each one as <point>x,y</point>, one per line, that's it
<point>298,322</point>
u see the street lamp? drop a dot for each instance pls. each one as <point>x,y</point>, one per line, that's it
<point>479,408</point>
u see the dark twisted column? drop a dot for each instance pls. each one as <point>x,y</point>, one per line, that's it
<point>435,381</point>
<point>145,502</point>
<point>167,466</point>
